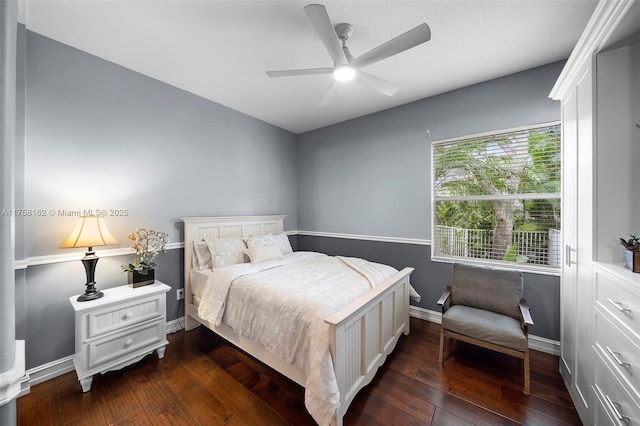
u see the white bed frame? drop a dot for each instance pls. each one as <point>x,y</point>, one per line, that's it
<point>362,334</point>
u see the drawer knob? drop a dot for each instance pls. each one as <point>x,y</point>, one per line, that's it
<point>614,407</point>
<point>618,306</point>
<point>128,343</point>
<point>616,357</point>
<point>128,315</point>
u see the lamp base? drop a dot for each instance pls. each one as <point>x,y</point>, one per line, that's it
<point>89,262</point>
<point>90,295</point>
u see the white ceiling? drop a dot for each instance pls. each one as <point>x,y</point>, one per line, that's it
<point>220,50</point>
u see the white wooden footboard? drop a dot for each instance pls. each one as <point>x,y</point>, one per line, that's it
<point>364,332</point>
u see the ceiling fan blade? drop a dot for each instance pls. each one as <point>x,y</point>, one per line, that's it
<point>319,18</point>
<point>308,71</point>
<point>411,38</point>
<point>330,94</point>
<point>381,85</point>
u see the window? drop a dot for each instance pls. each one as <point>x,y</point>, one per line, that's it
<point>496,198</point>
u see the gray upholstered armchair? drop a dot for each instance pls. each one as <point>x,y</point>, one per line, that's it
<point>483,306</point>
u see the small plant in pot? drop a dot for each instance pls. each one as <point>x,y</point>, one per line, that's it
<point>147,243</point>
<point>632,252</point>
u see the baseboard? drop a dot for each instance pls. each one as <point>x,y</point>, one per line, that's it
<point>175,325</point>
<point>425,314</point>
<point>545,345</point>
<point>11,379</point>
<point>45,372</point>
<point>537,343</point>
<point>64,365</point>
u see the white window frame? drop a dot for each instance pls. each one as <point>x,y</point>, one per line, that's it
<point>545,270</point>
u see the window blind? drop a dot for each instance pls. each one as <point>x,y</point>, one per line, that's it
<point>496,197</point>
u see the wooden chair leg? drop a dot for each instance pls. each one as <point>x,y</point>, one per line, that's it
<point>527,376</point>
<point>441,354</point>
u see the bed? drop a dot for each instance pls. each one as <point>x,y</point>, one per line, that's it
<point>359,334</point>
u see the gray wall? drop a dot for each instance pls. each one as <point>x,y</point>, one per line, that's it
<point>372,176</point>
<point>99,136</point>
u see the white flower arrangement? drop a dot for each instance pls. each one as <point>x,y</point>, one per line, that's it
<point>147,243</point>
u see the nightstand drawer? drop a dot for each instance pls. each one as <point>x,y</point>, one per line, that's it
<point>615,398</point>
<point>619,299</point>
<point>105,350</point>
<point>115,317</point>
<point>621,353</point>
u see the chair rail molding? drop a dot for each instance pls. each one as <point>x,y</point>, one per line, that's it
<point>401,240</point>
<point>74,256</point>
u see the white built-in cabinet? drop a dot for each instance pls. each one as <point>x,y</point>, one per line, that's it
<point>599,90</point>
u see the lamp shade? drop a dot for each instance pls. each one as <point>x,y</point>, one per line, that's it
<point>90,231</point>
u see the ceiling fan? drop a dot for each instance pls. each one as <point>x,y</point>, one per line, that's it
<point>345,66</point>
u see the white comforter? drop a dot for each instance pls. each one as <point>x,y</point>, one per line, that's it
<point>282,304</point>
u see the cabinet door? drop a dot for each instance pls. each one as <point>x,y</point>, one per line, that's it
<point>577,356</point>
<point>568,289</point>
<point>584,239</point>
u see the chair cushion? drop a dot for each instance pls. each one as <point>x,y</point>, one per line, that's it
<point>497,290</point>
<point>484,325</point>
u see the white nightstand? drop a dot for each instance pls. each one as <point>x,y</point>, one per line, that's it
<point>119,329</point>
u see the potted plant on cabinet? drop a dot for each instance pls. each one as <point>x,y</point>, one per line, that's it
<point>147,243</point>
<point>632,252</point>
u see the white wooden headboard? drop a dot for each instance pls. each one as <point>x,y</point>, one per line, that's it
<point>198,228</point>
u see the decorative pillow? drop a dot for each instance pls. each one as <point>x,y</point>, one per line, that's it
<point>201,258</point>
<point>264,253</point>
<point>282,240</point>
<point>259,240</point>
<point>278,240</point>
<point>226,251</point>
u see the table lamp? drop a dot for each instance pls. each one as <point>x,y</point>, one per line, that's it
<point>90,231</point>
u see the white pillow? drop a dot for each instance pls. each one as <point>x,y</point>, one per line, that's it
<point>278,240</point>
<point>226,251</point>
<point>282,240</point>
<point>259,240</point>
<point>264,253</point>
<point>201,257</point>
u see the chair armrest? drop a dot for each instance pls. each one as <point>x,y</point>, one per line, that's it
<point>445,296</point>
<point>445,299</point>
<point>526,314</point>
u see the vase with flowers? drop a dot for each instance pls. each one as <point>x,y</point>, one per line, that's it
<point>632,252</point>
<point>147,243</point>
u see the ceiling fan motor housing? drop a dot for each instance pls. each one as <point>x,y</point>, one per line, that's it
<point>344,31</point>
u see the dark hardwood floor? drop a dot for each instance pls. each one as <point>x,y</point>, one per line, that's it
<point>203,380</point>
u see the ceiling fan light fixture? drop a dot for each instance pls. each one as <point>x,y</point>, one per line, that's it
<point>344,73</point>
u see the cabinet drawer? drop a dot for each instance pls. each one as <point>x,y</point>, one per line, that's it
<point>619,299</point>
<point>621,353</point>
<point>119,346</point>
<point>602,414</point>
<point>614,397</point>
<point>113,317</point>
